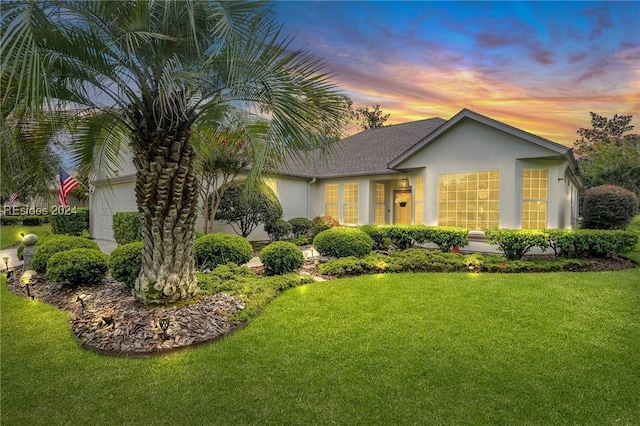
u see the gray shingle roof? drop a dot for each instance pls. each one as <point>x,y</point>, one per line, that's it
<point>367,152</point>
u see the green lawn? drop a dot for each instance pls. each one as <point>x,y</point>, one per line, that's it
<point>10,235</point>
<point>526,349</point>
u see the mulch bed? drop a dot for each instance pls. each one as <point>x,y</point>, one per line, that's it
<point>112,322</point>
<point>107,318</point>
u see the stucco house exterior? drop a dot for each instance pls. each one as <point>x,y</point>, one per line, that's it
<point>469,171</point>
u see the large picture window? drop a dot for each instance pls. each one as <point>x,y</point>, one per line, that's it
<point>535,198</point>
<point>331,201</point>
<point>418,200</point>
<point>350,204</point>
<point>469,200</point>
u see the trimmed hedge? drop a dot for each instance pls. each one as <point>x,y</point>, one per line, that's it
<point>125,262</point>
<point>278,229</point>
<point>580,243</point>
<point>55,245</point>
<point>515,243</point>
<point>343,242</point>
<point>300,226</point>
<point>82,266</point>
<point>216,249</point>
<point>424,260</point>
<point>126,227</point>
<point>74,223</point>
<point>10,220</point>
<point>405,236</point>
<point>608,207</point>
<point>281,258</point>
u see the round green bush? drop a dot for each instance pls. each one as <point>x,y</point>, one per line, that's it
<point>281,258</point>
<point>216,249</point>
<point>608,207</point>
<point>125,263</point>
<point>300,226</point>
<point>278,229</point>
<point>55,245</point>
<point>78,267</point>
<point>343,242</point>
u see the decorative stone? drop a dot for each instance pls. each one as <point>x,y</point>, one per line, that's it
<point>30,240</point>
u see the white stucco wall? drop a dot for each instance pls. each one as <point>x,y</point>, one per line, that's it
<point>471,146</point>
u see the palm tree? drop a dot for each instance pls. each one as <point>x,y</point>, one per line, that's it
<point>144,73</point>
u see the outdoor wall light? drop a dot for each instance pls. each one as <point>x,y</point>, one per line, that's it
<point>404,182</point>
<point>26,279</point>
<point>164,325</point>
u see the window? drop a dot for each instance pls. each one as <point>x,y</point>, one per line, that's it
<point>418,200</point>
<point>469,200</point>
<point>331,198</point>
<point>273,184</point>
<point>380,203</point>
<point>535,194</point>
<point>350,205</point>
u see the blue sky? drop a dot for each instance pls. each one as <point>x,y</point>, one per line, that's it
<point>539,66</point>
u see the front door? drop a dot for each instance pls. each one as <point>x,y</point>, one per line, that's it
<point>402,207</point>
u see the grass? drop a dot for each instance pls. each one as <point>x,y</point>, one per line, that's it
<point>526,349</point>
<point>10,234</point>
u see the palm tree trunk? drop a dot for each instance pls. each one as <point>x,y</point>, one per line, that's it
<point>167,197</point>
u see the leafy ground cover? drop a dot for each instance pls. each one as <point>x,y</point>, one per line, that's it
<point>10,234</point>
<point>425,348</point>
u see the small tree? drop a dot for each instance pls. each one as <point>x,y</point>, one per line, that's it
<point>244,207</point>
<point>219,158</point>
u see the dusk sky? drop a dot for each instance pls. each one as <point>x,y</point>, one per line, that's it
<point>538,66</point>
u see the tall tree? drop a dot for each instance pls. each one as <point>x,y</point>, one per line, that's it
<point>370,118</point>
<point>144,73</point>
<point>609,154</point>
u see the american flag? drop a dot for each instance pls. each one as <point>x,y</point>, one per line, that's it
<point>67,184</point>
<point>13,198</point>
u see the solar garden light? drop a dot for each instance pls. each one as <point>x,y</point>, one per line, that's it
<point>164,325</point>
<point>80,298</point>
<point>26,279</point>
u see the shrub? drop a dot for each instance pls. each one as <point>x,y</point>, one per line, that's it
<point>322,223</point>
<point>278,229</point>
<point>580,243</point>
<point>33,220</point>
<point>10,220</point>
<point>300,226</point>
<point>126,227</point>
<point>216,249</point>
<point>515,243</point>
<point>377,235</point>
<point>281,258</point>
<point>78,267</point>
<point>446,237</point>
<point>634,225</point>
<point>608,207</point>
<point>55,245</point>
<point>302,240</point>
<point>344,267</point>
<point>343,242</point>
<point>401,236</point>
<point>74,223</point>
<point>125,262</point>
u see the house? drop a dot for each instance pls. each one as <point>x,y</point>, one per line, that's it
<point>469,171</point>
